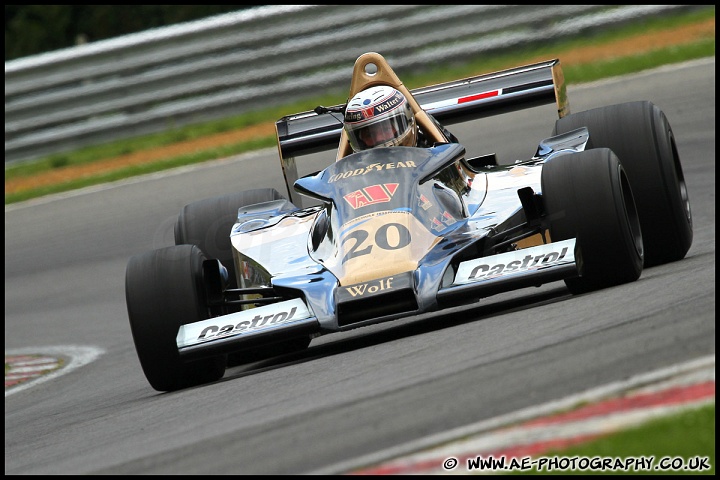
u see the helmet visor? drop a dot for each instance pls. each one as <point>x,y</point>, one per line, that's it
<point>381,133</point>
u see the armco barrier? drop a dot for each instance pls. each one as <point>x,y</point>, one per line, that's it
<point>233,63</point>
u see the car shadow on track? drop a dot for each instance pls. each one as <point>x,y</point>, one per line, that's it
<point>402,328</point>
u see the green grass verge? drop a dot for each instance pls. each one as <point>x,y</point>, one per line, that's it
<point>689,435</point>
<point>135,170</point>
<point>573,74</point>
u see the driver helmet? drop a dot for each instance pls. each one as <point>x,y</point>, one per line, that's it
<point>379,117</point>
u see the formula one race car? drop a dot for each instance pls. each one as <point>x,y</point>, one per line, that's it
<point>404,230</point>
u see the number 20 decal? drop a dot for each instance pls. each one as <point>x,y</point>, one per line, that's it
<point>382,240</point>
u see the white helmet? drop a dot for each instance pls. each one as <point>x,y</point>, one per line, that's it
<point>379,117</point>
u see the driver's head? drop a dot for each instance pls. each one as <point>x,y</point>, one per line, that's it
<point>379,117</point>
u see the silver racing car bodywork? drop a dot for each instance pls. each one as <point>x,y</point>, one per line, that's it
<point>400,231</point>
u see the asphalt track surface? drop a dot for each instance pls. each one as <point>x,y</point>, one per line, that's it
<point>349,394</point>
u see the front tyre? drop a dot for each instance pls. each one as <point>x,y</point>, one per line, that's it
<point>163,290</point>
<point>587,196</point>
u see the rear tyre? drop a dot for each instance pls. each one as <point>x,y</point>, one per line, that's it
<point>208,223</point>
<point>587,196</point>
<point>641,137</point>
<point>163,290</point>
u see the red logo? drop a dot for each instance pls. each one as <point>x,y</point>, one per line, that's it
<point>448,219</point>
<point>424,202</point>
<point>437,225</point>
<point>368,112</point>
<point>370,195</point>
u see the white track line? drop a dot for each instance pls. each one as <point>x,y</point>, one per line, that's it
<point>77,357</point>
<point>593,395</point>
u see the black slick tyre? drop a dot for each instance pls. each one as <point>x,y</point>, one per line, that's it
<point>163,290</point>
<point>640,135</point>
<point>587,196</point>
<point>207,223</point>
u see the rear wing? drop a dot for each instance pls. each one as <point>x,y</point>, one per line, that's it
<point>451,102</point>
